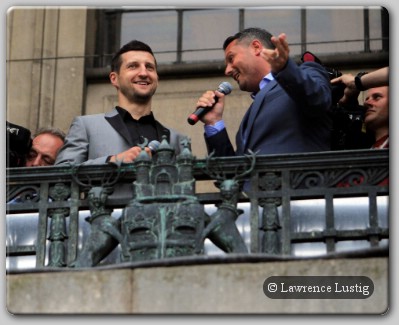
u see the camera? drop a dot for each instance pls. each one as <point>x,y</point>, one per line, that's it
<point>348,131</point>
<point>19,143</point>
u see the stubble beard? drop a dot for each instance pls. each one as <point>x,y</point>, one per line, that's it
<point>136,97</point>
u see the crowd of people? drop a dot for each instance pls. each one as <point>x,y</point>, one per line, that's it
<point>290,111</point>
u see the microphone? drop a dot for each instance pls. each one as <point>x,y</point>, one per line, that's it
<point>154,145</point>
<point>225,88</point>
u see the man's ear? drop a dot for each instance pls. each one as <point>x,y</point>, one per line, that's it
<point>257,46</point>
<point>113,77</point>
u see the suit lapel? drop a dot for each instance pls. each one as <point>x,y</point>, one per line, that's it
<point>249,119</point>
<point>241,134</point>
<point>117,123</point>
<point>162,131</point>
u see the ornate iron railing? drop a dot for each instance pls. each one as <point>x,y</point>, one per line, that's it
<point>290,200</point>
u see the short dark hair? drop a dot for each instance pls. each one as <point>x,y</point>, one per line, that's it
<point>249,34</point>
<point>134,45</point>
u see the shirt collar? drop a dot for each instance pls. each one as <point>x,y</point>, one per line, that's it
<point>126,115</point>
<point>266,79</point>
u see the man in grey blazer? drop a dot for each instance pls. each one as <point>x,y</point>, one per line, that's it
<point>290,111</point>
<point>116,135</point>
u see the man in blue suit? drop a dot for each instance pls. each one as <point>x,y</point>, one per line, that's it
<point>290,109</point>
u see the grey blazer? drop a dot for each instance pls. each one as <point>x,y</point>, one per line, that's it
<point>92,138</point>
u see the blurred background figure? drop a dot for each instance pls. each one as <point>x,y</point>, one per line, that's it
<point>361,82</point>
<point>46,143</point>
<point>376,116</point>
<point>19,143</point>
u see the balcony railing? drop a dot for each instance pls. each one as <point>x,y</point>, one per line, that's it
<point>284,205</point>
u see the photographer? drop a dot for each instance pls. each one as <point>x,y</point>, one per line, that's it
<point>42,150</point>
<point>361,82</point>
<point>355,126</point>
<point>376,117</point>
<point>19,143</point>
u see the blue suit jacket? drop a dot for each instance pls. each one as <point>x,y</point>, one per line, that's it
<point>290,114</point>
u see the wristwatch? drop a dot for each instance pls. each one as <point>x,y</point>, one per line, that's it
<point>358,81</point>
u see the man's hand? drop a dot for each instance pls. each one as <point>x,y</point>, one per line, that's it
<point>208,100</point>
<point>278,57</point>
<point>129,155</point>
<point>350,91</point>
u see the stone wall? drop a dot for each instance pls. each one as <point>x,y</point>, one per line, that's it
<point>220,286</point>
<point>45,66</point>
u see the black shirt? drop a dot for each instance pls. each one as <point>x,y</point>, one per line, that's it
<point>144,127</point>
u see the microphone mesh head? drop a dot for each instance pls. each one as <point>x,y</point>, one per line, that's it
<point>225,88</point>
<point>154,145</point>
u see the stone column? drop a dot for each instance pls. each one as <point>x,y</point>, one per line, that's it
<point>45,65</point>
